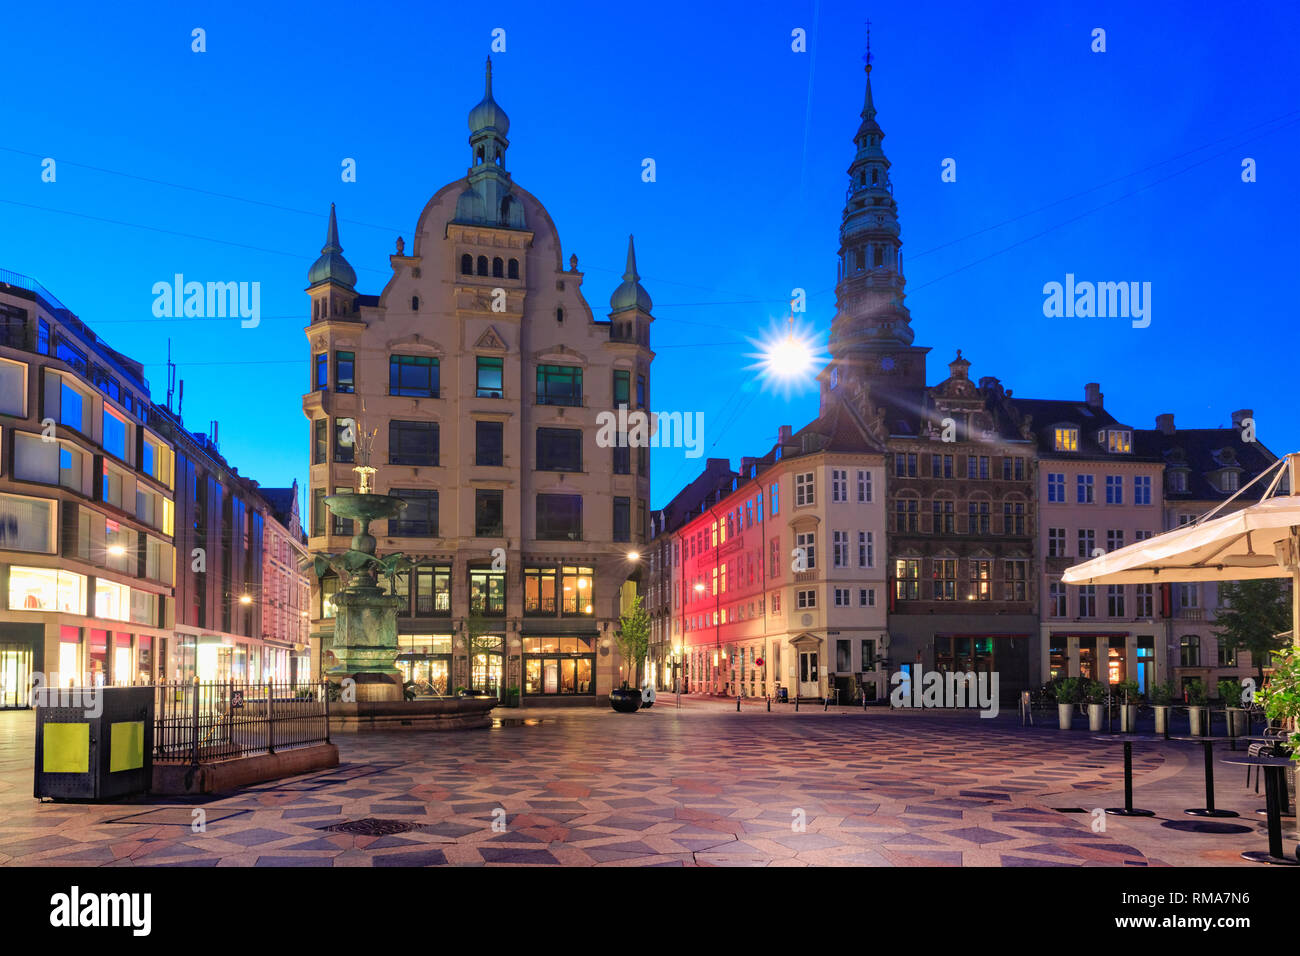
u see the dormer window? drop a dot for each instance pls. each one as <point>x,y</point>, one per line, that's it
<point>1229,481</point>
<point>1178,480</point>
<point>1067,439</point>
<point>835,377</point>
<point>1119,441</point>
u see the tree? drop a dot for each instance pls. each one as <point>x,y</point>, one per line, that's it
<point>634,637</point>
<point>1250,614</point>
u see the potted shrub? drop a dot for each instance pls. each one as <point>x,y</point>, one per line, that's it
<point>1230,694</point>
<point>1128,693</point>
<point>1162,698</point>
<point>512,696</point>
<point>1197,715</point>
<point>1280,696</point>
<point>1068,692</point>
<point>1095,694</point>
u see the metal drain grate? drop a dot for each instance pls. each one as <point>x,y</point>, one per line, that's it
<point>372,826</point>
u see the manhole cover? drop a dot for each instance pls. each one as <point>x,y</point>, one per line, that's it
<point>372,826</point>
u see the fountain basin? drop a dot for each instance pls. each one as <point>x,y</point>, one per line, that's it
<point>430,714</point>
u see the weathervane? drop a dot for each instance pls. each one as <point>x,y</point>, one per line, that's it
<point>867,58</point>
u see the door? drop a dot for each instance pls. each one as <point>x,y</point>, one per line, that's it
<point>808,682</point>
<point>485,675</point>
<point>15,675</point>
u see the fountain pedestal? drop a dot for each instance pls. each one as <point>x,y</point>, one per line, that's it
<point>365,642</point>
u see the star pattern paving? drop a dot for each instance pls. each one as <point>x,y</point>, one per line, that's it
<point>699,786</point>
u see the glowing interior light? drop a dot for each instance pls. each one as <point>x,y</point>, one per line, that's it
<point>116,550</point>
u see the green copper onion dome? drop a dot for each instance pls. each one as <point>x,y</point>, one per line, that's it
<point>489,114</point>
<point>331,266</point>
<point>630,295</point>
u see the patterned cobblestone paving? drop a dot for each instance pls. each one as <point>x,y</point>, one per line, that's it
<point>697,786</point>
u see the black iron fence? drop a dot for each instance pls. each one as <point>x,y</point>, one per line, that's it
<point>202,721</point>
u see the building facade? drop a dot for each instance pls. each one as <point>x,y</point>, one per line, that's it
<point>286,588</point>
<point>1098,490</point>
<point>86,505</point>
<point>477,385</point>
<point>778,570</point>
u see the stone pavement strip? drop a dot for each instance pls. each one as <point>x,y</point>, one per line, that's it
<point>697,786</point>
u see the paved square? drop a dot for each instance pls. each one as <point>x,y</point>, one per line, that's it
<point>699,785</point>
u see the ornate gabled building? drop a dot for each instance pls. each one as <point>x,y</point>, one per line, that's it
<point>474,383</point>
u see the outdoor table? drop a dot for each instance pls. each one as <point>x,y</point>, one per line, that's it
<point>1209,809</point>
<point>1128,810</point>
<point>1274,787</point>
<point>1286,810</point>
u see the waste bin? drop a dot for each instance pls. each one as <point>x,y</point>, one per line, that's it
<point>93,743</point>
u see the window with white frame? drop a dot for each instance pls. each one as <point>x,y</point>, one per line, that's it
<point>866,549</point>
<point>864,486</point>
<point>1084,489</point>
<point>839,484</point>
<point>805,599</point>
<point>1056,599</point>
<point>866,597</point>
<point>807,542</point>
<point>1142,490</point>
<point>840,549</point>
<point>804,490</point>
<point>842,597</point>
<point>1056,542</point>
<point>1056,487</point>
<point>1114,489</point>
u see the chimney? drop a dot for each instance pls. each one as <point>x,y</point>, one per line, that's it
<point>1165,423</point>
<point>1241,415</point>
<point>1092,394</point>
<point>783,435</point>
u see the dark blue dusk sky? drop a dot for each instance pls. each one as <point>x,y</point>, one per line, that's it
<point>751,142</point>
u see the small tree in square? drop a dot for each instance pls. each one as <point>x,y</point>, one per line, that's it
<point>1250,614</point>
<point>634,637</point>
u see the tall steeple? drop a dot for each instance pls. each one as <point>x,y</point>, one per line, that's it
<point>869,295</point>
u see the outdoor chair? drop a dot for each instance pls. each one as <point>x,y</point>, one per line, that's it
<point>1276,746</point>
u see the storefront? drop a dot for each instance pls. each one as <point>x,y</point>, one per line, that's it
<point>559,666</point>
<point>1109,657</point>
<point>425,663</point>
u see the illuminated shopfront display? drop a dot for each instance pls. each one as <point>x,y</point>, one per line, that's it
<point>46,589</point>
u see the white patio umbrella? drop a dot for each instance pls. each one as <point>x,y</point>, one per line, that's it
<point>1262,540</point>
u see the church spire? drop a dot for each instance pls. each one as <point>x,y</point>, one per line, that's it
<point>869,295</point>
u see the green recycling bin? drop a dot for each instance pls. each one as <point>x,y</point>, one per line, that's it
<point>93,743</point>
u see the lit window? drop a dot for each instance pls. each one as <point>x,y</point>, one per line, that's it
<point>1067,439</point>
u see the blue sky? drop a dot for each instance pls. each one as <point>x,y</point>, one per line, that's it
<point>1123,165</point>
